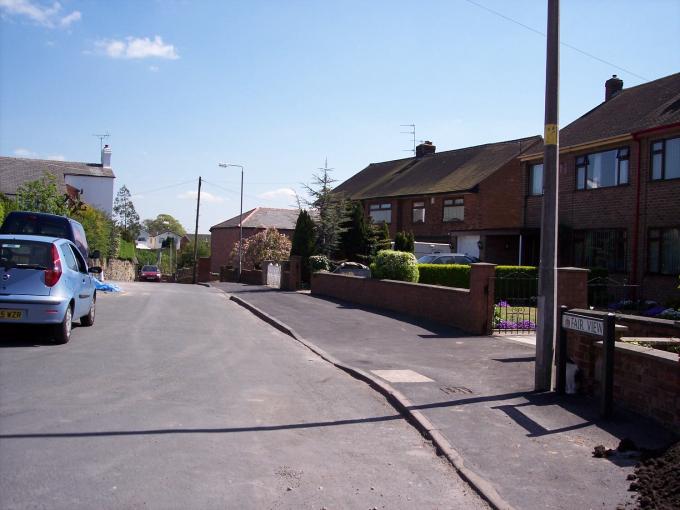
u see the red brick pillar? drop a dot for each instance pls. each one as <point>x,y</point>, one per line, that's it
<point>572,287</point>
<point>295,281</point>
<point>482,290</point>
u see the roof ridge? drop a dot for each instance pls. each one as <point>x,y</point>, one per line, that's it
<point>51,161</point>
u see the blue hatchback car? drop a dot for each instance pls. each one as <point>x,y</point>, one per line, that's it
<point>45,280</point>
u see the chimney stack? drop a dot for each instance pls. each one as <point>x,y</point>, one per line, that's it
<point>106,156</point>
<point>612,86</point>
<point>425,148</point>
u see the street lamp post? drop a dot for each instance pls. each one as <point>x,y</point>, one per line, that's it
<point>240,221</point>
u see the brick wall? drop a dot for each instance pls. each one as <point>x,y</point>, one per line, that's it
<point>646,380</point>
<point>470,310</point>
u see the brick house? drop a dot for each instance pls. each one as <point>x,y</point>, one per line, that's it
<point>471,198</point>
<point>224,236</point>
<point>619,187</point>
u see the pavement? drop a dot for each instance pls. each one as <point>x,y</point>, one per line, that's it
<point>473,397</point>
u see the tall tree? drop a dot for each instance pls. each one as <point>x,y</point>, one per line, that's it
<point>304,241</point>
<point>42,195</point>
<point>125,214</point>
<point>355,240</point>
<point>330,209</point>
<point>164,223</point>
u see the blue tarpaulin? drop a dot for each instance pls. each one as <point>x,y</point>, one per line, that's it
<point>106,287</point>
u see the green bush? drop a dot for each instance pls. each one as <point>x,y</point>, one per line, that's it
<point>127,250</point>
<point>448,275</point>
<point>319,263</point>
<point>146,257</point>
<point>518,271</point>
<point>395,265</point>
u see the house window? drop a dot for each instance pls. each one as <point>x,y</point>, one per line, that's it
<point>381,213</point>
<point>536,179</point>
<point>418,212</point>
<point>666,159</point>
<point>600,249</point>
<point>602,169</point>
<point>663,251</point>
<point>454,210</point>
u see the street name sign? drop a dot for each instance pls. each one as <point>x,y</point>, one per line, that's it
<point>586,325</point>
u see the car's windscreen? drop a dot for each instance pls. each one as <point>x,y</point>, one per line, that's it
<point>28,254</point>
<point>34,225</point>
<point>426,258</point>
<point>150,268</point>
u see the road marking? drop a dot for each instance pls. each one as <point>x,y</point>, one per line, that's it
<point>405,376</point>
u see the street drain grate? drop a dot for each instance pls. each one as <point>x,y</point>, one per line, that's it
<point>451,390</point>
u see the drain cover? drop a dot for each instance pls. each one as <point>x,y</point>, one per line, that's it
<point>451,390</point>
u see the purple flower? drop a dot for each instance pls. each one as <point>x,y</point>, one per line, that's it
<point>503,304</point>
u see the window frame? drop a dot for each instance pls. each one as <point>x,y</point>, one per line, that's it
<point>579,244</point>
<point>417,205</point>
<point>380,206</point>
<point>454,204</point>
<point>582,163</point>
<point>532,168</point>
<point>662,152</point>
<point>655,235</point>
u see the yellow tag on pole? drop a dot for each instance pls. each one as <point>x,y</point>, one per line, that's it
<point>550,135</point>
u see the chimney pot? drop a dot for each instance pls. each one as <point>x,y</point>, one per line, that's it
<point>612,87</point>
<point>106,156</point>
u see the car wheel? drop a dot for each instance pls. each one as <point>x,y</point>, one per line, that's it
<point>62,332</point>
<point>88,320</point>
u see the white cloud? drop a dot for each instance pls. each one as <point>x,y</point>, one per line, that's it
<point>57,157</point>
<point>49,16</point>
<point>24,153</point>
<point>154,69</point>
<point>278,193</point>
<point>137,48</point>
<point>205,197</point>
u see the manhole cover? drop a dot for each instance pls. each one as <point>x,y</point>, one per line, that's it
<point>460,390</point>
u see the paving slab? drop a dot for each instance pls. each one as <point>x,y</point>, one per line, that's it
<point>535,449</point>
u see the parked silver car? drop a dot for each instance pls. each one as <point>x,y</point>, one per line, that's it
<point>45,281</point>
<point>447,258</point>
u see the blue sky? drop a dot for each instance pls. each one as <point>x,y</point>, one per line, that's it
<point>278,86</point>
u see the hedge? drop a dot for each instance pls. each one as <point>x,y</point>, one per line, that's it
<point>449,275</point>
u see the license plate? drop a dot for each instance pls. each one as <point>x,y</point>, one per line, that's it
<point>13,315</point>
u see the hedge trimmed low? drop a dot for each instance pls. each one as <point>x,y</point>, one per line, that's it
<point>449,275</point>
<point>395,265</point>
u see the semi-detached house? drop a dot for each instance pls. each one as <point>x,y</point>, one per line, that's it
<point>619,187</point>
<point>471,198</point>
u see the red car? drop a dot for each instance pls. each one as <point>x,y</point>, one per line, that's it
<point>150,273</point>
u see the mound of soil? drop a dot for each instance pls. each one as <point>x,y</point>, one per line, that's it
<point>657,480</point>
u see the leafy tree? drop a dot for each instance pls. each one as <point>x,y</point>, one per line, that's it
<point>42,195</point>
<point>186,254</point>
<point>330,209</point>
<point>125,215</point>
<point>356,239</point>
<point>266,245</point>
<point>98,227</point>
<point>163,223</point>
<point>304,241</point>
<point>7,205</point>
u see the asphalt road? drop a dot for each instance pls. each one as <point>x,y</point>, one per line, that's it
<point>178,398</point>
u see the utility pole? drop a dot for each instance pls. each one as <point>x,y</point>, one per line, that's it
<point>545,334</point>
<point>198,207</point>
